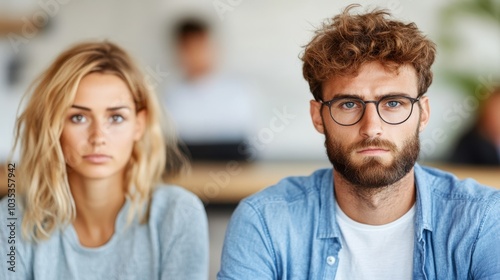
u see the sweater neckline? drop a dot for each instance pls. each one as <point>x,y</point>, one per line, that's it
<point>120,223</point>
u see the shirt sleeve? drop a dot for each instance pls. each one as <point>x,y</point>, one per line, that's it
<point>187,254</point>
<point>247,252</point>
<point>486,253</point>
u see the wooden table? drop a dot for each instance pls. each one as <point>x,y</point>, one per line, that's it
<point>230,182</point>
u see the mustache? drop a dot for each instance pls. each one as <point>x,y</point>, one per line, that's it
<point>374,142</point>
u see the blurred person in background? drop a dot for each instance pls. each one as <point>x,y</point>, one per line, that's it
<point>89,202</point>
<point>13,62</point>
<point>481,144</point>
<point>212,110</point>
<point>8,26</point>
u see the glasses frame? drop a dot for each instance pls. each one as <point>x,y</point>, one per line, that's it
<point>376,102</point>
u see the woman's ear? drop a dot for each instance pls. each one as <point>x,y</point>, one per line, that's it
<point>140,124</point>
<point>315,110</point>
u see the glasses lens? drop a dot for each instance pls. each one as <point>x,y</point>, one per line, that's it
<point>346,111</point>
<point>395,109</point>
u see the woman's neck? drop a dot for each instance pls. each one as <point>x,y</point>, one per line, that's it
<point>98,202</point>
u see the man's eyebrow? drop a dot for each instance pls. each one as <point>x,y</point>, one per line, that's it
<point>377,97</point>
<point>347,95</point>
<point>393,94</point>
<point>108,109</point>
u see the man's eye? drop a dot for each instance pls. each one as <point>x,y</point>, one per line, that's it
<point>348,105</point>
<point>393,103</point>
<point>78,119</point>
<point>396,102</point>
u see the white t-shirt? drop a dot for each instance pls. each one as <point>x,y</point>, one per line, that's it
<point>376,252</point>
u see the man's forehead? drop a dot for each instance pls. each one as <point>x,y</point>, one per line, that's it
<point>374,80</point>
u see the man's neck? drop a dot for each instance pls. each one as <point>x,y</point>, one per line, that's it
<point>375,206</point>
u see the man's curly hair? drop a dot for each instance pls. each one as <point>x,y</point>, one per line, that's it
<point>346,42</point>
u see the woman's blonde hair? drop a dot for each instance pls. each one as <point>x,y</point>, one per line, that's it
<point>46,196</point>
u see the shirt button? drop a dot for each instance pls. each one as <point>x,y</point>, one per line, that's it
<point>330,260</point>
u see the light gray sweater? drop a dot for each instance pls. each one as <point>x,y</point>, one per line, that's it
<point>173,244</point>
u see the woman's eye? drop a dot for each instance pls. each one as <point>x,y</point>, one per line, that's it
<point>117,119</point>
<point>78,119</point>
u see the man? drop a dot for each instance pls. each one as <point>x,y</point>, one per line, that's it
<point>377,214</point>
<point>201,100</point>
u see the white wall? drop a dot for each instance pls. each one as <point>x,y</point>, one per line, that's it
<point>262,41</point>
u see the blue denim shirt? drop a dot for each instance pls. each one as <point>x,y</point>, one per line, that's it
<point>289,231</point>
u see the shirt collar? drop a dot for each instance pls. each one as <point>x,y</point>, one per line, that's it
<point>327,224</point>
<point>423,218</point>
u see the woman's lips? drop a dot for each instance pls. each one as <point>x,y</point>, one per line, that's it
<point>97,158</point>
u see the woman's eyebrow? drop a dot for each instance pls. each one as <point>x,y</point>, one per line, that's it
<point>118,108</point>
<point>80,107</point>
<point>108,109</point>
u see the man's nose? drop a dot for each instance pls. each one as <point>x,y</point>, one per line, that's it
<point>371,123</point>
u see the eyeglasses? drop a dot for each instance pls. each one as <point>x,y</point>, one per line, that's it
<point>392,109</point>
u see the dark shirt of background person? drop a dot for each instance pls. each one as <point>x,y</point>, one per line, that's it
<point>481,144</point>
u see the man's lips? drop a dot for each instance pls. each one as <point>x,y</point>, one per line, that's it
<point>97,158</point>
<point>373,151</point>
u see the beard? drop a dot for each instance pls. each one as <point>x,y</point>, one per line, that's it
<point>372,173</point>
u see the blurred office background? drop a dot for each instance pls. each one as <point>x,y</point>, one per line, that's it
<point>260,42</point>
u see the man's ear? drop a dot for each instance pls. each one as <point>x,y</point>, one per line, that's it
<point>140,125</point>
<point>315,110</point>
<point>425,112</point>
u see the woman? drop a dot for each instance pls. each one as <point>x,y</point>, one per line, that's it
<point>88,181</point>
